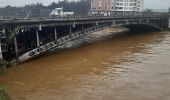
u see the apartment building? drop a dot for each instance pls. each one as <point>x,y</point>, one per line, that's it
<point>117,5</point>
<point>101,5</point>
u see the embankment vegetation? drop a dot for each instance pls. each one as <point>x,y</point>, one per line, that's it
<point>3,93</point>
<point>3,64</point>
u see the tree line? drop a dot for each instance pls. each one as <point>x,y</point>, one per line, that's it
<point>81,7</point>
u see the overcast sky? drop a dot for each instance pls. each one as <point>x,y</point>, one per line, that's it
<point>153,4</point>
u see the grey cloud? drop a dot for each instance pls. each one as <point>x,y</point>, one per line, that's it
<point>157,4</point>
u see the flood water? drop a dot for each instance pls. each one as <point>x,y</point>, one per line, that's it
<point>121,67</point>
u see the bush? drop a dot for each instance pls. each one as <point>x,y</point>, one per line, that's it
<point>3,94</point>
<point>3,64</point>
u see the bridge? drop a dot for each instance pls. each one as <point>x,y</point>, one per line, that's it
<point>25,39</point>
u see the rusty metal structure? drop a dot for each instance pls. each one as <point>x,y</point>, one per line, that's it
<point>24,39</point>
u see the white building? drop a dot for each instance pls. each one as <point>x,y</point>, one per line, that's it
<point>117,5</point>
<point>128,5</point>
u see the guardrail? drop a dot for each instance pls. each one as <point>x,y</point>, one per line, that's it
<point>116,14</point>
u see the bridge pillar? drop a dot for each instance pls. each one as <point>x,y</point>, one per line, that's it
<point>74,24</point>
<point>38,39</point>
<point>114,23</point>
<point>40,27</point>
<point>16,50</point>
<point>147,21</point>
<point>97,23</point>
<point>3,31</point>
<point>55,34</point>
<point>140,21</point>
<point>1,52</point>
<point>70,30</point>
<point>82,28</point>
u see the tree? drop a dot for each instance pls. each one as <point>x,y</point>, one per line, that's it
<point>79,7</point>
<point>148,10</point>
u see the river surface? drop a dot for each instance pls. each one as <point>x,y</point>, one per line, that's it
<point>121,67</point>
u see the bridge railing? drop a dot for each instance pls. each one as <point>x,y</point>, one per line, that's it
<point>117,14</point>
<point>114,14</point>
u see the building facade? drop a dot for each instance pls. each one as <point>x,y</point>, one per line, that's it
<point>100,5</point>
<point>117,5</point>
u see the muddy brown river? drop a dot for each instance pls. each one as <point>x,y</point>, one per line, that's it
<point>122,67</point>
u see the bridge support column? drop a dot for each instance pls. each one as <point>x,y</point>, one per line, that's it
<point>147,21</point>
<point>140,21</point>
<point>127,22</point>
<point>114,23</point>
<point>38,39</point>
<point>82,28</point>
<point>1,52</point>
<point>55,34</point>
<point>70,30</point>
<point>74,24</point>
<point>16,50</point>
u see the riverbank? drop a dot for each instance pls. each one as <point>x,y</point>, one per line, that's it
<point>3,64</point>
<point>3,93</point>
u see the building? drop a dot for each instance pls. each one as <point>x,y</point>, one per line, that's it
<point>128,5</point>
<point>116,5</point>
<point>101,5</point>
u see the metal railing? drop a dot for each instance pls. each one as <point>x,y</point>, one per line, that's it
<point>114,14</point>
